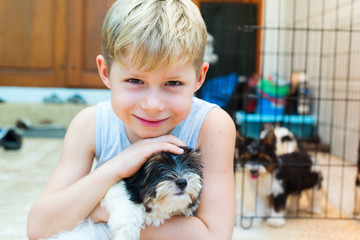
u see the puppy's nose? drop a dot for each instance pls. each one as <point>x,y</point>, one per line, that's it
<point>253,172</point>
<point>181,183</point>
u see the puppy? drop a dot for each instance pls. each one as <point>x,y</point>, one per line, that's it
<point>277,177</point>
<point>357,186</point>
<point>166,185</point>
<point>286,141</point>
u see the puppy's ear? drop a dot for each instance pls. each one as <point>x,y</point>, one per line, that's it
<point>188,150</point>
<point>240,145</point>
<point>270,139</point>
<point>239,137</point>
<point>268,126</point>
<point>185,148</point>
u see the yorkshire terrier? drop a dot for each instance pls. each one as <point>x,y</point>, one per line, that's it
<point>357,186</point>
<point>278,177</point>
<point>166,185</point>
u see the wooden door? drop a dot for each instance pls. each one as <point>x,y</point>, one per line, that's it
<point>32,42</point>
<point>85,23</point>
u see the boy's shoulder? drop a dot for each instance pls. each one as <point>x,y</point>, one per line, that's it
<point>86,113</point>
<point>199,111</point>
<point>211,110</point>
<point>82,127</point>
<point>217,118</point>
<point>217,123</point>
<point>84,119</point>
<point>200,103</point>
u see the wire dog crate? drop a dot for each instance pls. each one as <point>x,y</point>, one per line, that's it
<point>297,64</point>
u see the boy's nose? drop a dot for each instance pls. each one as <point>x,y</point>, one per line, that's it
<point>153,101</point>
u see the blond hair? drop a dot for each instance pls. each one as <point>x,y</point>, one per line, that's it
<point>149,33</point>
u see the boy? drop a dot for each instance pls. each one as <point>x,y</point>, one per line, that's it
<point>153,64</point>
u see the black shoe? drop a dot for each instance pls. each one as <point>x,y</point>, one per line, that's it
<point>11,140</point>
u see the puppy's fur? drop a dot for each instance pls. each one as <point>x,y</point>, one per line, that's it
<point>166,185</point>
<point>286,141</point>
<point>277,177</point>
<point>357,186</point>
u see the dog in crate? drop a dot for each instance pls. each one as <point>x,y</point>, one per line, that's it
<point>357,186</point>
<point>276,178</point>
<point>166,185</point>
<point>286,141</point>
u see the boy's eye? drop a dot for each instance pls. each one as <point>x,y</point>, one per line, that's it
<point>134,81</point>
<point>173,83</point>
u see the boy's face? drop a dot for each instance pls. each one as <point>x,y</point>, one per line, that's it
<point>152,103</point>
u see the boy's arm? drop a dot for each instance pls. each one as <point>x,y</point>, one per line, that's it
<point>215,216</point>
<point>57,208</point>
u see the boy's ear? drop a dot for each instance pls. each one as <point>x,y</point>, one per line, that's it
<point>103,70</point>
<point>203,70</point>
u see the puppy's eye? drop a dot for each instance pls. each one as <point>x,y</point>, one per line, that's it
<point>158,171</point>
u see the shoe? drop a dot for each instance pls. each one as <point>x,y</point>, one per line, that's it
<point>53,99</point>
<point>11,140</point>
<point>77,99</point>
<point>23,123</point>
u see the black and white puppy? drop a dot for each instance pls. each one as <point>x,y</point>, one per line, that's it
<point>166,185</point>
<point>357,186</point>
<point>278,177</point>
<point>286,141</point>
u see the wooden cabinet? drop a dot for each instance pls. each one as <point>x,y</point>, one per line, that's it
<point>51,43</point>
<point>32,42</point>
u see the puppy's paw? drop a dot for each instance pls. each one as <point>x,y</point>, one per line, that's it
<point>275,222</point>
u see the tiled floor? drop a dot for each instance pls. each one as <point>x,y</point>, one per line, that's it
<point>23,174</point>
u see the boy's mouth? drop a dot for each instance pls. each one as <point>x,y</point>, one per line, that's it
<point>151,122</point>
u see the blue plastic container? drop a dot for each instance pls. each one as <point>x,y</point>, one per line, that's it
<point>251,124</point>
<point>219,90</point>
<point>266,107</point>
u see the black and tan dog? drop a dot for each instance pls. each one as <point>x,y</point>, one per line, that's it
<point>278,177</point>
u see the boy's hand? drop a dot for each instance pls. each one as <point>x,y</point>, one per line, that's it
<point>129,161</point>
